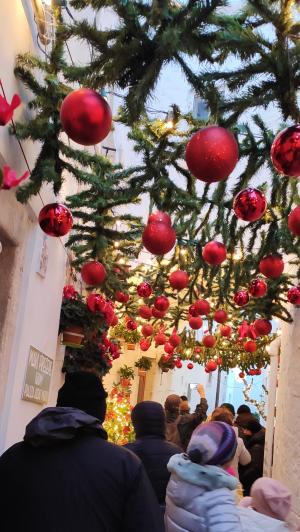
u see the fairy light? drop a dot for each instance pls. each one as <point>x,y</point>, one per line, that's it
<point>116,244</point>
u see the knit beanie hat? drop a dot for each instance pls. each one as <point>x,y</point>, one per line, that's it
<point>172,403</point>
<point>83,390</point>
<point>148,419</point>
<point>269,497</point>
<point>212,443</point>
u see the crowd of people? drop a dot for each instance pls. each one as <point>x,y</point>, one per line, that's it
<point>184,472</point>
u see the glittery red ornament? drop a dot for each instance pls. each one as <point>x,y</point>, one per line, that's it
<point>258,288</point>
<point>147,330</point>
<point>93,273</point>
<point>225,330</point>
<point>169,348</point>
<point>178,364</point>
<point>160,339</point>
<point>206,370</point>
<point>209,340</point>
<point>202,306</point>
<point>251,372</point>
<point>211,365</point>
<point>175,339</point>
<point>249,204</point>
<point>144,289</point>
<point>262,327</point>
<point>193,311</point>
<point>145,344</point>
<point>145,312</point>
<point>158,238</point>
<point>250,346</point>
<point>285,151</point>
<point>131,325</point>
<point>271,266</point>
<point>86,117</point>
<point>198,349</point>
<point>219,361</point>
<point>241,298</point>
<point>179,279</point>
<point>258,371</point>
<point>160,217</point>
<point>211,154</point>
<point>220,316</point>
<point>96,303</point>
<point>214,253</point>
<point>55,219</point>
<point>293,295</point>
<point>114,320</point>
<point>190,365</point>
<point>121,297</point>
<point>294,221</point>
<point>166,358</point>
<point>157,313</point>
<point>242,375</point>
<point>195,322</point>
<point>161,303</point>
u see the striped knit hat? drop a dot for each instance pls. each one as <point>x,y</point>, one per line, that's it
<point>212,443</point>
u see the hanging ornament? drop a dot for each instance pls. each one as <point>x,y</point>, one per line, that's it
<point>144,290</point>
<point>160,217</point>
<point>202,306</point>
<point>193,310</point>
<point>271,266</point>
<point>190,365</point>
<point>161,303</point>
<point>214,253</point>
<point>121,297</point>
<point>169,348</point>
<point>250,204</point>
<point>211,365</point>
<point>225,330</point>
<point>211,154</point>
<point>145,312</point>
<point>160,338</point>
<point>179,279</point>
<point>157,313</point>
<point>178,363</point>
<point>294,221</point>
<point>219,361</point>
<point>147,330</point>
<point>96,303</point>
<point>242,375</point>
<point>245,330</point>
<point>209,340</point>
<point>175,339</point>
<point>251,372</point>
<point>131,325</point>
<point>241,298</point>
<point>159,236</point>
<point>220,316</point>
<point>9,178</point>
<point>7,109</point>
<point>114,320</point>
<point>262,327</point>
<point>195,322</point>
<point>258,288</point>
<point>285,151</point>
<point>93,273</point>
<point>250,346</point>
<point>55,219</point>
<point>144,344</point>
<point>85,117</point>
<point>293,295</point>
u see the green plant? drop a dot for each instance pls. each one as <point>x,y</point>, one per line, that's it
<point>74,313</point>
<point>120,331</point>
<point>89,358</point>
<point>126,372</point>
<point>144,363</point>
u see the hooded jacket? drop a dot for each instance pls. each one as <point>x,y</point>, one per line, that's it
<point>200,498</point>
<point>253,471</point>
<point>65,477</point>
<point>252,521</point>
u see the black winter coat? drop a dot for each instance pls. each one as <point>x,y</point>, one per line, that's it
<point>66,477</point>
<point>251,472</point>
<point>155,453</point>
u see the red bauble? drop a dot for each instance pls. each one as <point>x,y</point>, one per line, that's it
<point>211,365</point>
<point>225,330</point>
<point>242,375</point>
<point>252,372</point>
<point>198,349</point>
<point>285,151</point>
<point>258,372</point>
<point>211,154</point>
<point>86,117</point>
<point>169,348</point>
<point>145,312</point>
<point>214,253</point>
<point>158,238</point>
<point>271,266</point>
<point>202,306</point>
<point>193,311</point>
<point>179,279</point>
<point>114,320</point>
<point>93,273</point>
<point>190,365</point>
<point>147,330</point>
<point>294,221</point>
<point>144,289</point>
<point>293,295</point>
<point>96,303</point>
<point>161,303</point>
<point>55,219</point>
<point>250,204</point>
<point>220,316</point>
<point>250,346</point>
<point>145,344</point>
<point>131,325</point>
<point>241,298</point>
<point>219,361</point>
<point>178,364</point>
<point>160,217</point>
<point>160,339</point>
<point>258,288</point>
<point>262,327</point>
<point>209,340</point>
<point>121,297</point>
<point>206,370</point>
<point>174,339</point>
<point>157,313</point>
<point>195,322</point>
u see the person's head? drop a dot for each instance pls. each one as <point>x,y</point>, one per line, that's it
<point>229,407</point>
<point>269,497</point>
<point>251,426</point>
<point>148,419</point>
<point>172,404</point>
<point>183,398</point>
<point>212,443</point>
<point>184,406</point>
<point>222,414</point>
<point>243,409</point>
<point>83,390</point>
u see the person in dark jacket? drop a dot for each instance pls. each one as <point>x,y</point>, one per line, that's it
<point>151,447</point>
<point>180,427</point>
<point>66,477</point>
<point>254,440</point>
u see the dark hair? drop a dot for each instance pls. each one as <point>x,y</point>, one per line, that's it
<point>230,407</point>
<point>252,424</point>
<point>243,409</point>
<point>183,398</point>
<point>222,414</point>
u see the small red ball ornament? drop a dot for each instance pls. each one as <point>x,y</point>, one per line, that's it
<point>178,364</point>
<point>85,117</point>
<point>55,219</point>
<point>241,298</point>
<point>158,237</point>
<point>206,370</point>
<point>147,330</point>
<point>121,297</point>
<point>161,303</point>
<point>193,310</point>
<point>145,312</point>
<point>209,340</point>
<point>293,295</point>
<point>114,320</point>
<point>225,330</point>
<point>220,316</point>
<point>190,365</point>
<point>250,346</point>
<point>242,375</point>
<point>285,151</point>
<point>160,217</point>
<point>131,325</point>
<point>93,273</point>
<point>96,303</point>
<point>211,154</point>
<point>175,339</point>
<point>211,365</point>
<point>219,361</point>
<point>195,322</point>
<point>169,348</point>
<point>258,288</point>
<point>160,339</point>
<point>262,327</point>
<point>179,279</point>
<point>214,253</point>
<point>144,289</point>
<point>202,306</point>
<point>294,221</point>
<point>271,266</point>
<point>145,344</point>
<point>250,204</point>
<point>159,314</point>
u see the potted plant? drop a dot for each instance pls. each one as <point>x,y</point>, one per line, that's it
<point>143,364</point>
<point>73,320</point>
<point>126,375</point>
<point>130,337</point>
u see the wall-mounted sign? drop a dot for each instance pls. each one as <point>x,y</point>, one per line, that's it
<point>38,377</point>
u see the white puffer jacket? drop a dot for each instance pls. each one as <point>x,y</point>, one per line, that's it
<point>200,498</point>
